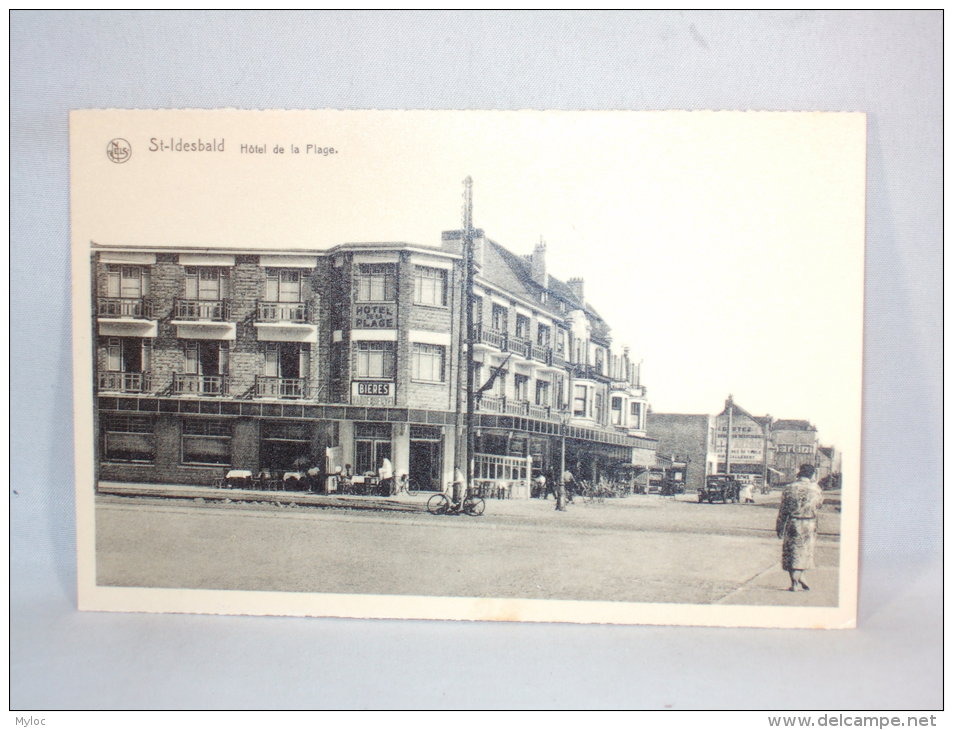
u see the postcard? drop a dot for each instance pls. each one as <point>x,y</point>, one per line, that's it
<point>548,366</point>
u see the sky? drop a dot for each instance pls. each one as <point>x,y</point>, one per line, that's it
<point>725,248</point>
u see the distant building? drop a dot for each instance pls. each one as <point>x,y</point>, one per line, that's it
<point>743,443</point>
<point>828,466</point>
<point>795,443</point>
<point>688,438</point>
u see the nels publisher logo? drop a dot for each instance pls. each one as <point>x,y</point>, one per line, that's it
<point>118,150</point>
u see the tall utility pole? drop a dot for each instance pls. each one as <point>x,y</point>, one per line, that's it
<point>468,267</point>
<point>731,407</point>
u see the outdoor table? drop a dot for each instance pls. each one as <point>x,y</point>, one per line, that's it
<point>238,478</point>
<point>364,485</point>
<point>292,477</point>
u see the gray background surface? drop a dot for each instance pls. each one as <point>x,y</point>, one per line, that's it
<point>887,64</point>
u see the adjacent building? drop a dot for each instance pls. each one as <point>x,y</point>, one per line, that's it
<point>267,360</point>
<point>686,438</point>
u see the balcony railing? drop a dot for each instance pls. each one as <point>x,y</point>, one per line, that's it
<point>542,353</point>
<point>125,382</point>
<point>544,413</point>
<point>513,407</point>
<point>491,404</point>
<point>133,307</point>
<point>199,384</point>
<point>589,372</point>
<point>519,346</point>
<point>215,310</point>
<point>297,312</point>
<point>273,387</point>
<point>490,337</point>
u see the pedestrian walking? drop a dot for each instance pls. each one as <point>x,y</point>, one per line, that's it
<point>747,493</point>
<point>385,478</point>
<point>797,525</point>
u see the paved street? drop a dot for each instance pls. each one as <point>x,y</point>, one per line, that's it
<point>643,548</point>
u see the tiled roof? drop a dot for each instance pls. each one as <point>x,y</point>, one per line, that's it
<point>513,273</point>
<point>792,425</point>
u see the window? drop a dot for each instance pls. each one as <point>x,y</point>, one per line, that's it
<point>579,401</point>
<point>616,407</point>
<point>521,387</point>
<point>128,354</point>
<point>283,443</point>
<point>522,326</point>
<point>287,359</point>
<point>560,393</point>
<point>128,438</point>
<point>600,407</point>
<point>477,310</point>
<point>207,283</point>
<point>430,286</point>
<point>375,283</point>
<point>127,282</point>
<point>282,285</point>
<point>543,335</point>
<point>371,446</point>
<point>561,343</point>
<point>542,392</point>
<point>374,360</point>
<point>206,441</point>
<point>206,357</point>
<point>477,375</point>
<point>635,410</point>
<point>600,361</point>
<point>500,384</point>
<point>426,362</point>
<point>499,318</point>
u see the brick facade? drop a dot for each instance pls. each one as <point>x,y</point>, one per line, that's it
<point>231,396</point>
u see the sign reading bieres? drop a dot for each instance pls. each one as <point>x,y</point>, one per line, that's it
<point>375,316</point>
<point>372,392</point>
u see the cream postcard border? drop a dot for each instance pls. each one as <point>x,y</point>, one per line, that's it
<point>94,597</point>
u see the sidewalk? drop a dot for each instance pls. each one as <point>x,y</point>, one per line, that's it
<point>401,503</point>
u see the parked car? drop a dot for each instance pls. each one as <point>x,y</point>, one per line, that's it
<point>720,488</point>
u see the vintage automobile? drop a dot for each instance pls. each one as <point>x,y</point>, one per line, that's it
<point>720,488</point>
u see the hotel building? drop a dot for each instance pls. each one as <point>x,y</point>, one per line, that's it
<point>210,359</point>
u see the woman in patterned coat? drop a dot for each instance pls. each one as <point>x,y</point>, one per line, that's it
<point>797,525</point>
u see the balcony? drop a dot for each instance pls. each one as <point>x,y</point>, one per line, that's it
<point>487,336</point>
<point>194,310</point>
<point>126,317</point>
<point>203,319</point>
<point>519,346</point>
<point>589,372</point>
<point>124,307</point>
<point>115,382</point>
<point>294,312</point>
<point>513,407</point>
<point>274,387</point>
<point>285,322</point>
<point>199,384</point>
<point>542,353</point>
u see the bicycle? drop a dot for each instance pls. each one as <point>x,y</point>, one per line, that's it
<point>441,504</point>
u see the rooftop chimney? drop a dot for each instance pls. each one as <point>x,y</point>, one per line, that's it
<point>452,241</point>
<point>538,264</point>
<point>575,284</point>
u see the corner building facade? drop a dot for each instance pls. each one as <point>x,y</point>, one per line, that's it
<point>208,360</point>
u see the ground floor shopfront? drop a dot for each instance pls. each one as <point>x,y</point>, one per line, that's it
<point>195,441</point>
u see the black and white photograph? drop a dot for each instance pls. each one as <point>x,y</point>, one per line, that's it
<point>595,367</point>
